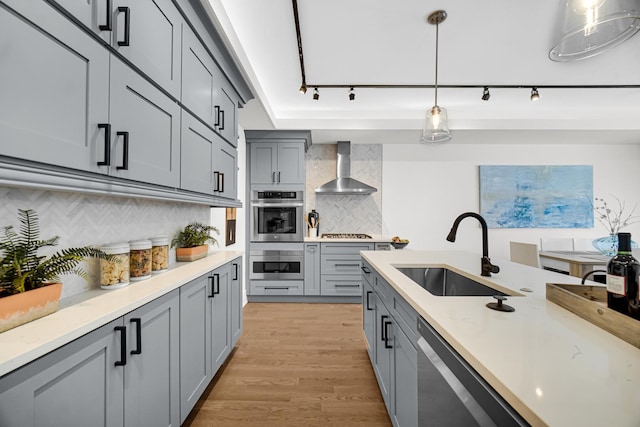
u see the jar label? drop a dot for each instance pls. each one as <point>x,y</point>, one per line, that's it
<point>617,284</point>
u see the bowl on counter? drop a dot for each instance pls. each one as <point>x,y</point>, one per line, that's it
<point>399,245</point>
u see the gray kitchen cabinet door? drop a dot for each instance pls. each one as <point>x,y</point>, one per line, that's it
<point>151,386</point>
<point>76,385</point>
<point>225,107</point>
<point>145,140</point>
<point>195,342</point>
<point>291,168</point>
<point>264,163</point>
<point>236,301</point>
<point>369,318</point>
<point>219,300</point>
<point>54,82</point>
<point>225,159</point>
<point>148,34</point>
<point>405,381</point>
<point>384,362</point>
<point>96,15</point>
<point>312,268</point>
<point>198,70</point>
<point>198,143</point>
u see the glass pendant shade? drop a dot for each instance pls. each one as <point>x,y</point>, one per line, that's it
<point>436,127</point>
<point>588,27</point>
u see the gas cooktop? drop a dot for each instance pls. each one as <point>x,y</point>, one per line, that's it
<point>345,236</point>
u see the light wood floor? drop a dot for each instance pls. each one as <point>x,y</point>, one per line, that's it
<point>295,365</point>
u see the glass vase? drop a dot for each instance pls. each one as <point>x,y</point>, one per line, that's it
<point>608,245</point>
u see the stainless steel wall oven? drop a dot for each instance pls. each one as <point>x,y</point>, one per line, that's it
<point>277,216</point>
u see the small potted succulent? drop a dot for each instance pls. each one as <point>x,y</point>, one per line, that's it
<point>191,242</point>
<point>30,284</point>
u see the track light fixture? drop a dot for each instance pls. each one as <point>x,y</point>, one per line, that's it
<point>316,94</point>
<point>352,94</point>
<point>534,94</point>
<point>485,94</point>
<point>303,89</point>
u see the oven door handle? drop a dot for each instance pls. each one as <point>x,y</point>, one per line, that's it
<point>276,204</point>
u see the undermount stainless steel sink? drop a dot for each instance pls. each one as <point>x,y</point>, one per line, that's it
<point>444,282</point>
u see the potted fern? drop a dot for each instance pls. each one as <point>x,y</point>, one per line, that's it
<point>191,242</point>
<point>30,284</point>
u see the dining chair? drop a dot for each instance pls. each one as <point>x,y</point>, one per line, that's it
<point>525,253</point>
<point>556,244</point>
<point>583,244</point>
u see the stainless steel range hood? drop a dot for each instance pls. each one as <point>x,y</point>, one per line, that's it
<point>344,184</point>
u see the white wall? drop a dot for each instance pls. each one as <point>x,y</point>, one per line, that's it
<point>425,187</point>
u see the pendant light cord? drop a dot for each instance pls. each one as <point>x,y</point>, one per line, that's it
<point>436,83</point>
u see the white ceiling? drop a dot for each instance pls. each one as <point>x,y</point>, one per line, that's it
<point>482,42</point>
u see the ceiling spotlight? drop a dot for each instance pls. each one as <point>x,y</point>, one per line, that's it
<point>316,94</point>
<point>485,94</point>
<point>303,89</point>
<point>352,94</point>
<point>534,94</point>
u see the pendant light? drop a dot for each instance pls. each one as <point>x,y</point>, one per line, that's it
<point>589,27</point>
<point>436,128</point>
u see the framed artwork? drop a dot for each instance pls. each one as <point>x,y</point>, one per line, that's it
<point>536,196</point>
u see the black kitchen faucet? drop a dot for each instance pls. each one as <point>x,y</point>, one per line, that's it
<point>487,267</point>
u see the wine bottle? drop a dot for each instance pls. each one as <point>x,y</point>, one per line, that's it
<point>622,279</point>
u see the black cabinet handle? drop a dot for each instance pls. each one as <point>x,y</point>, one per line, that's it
<point>277,287</point>
<point>386,335</point>
<point>383,330</point>
<point>138,323</point>
<point>222,120</point>
<point>107,26</point>
<point>211,294</point>
<point>365,269</point>
<point>216,282</point>
<point>347,265</point>
<point>221,182</point>
<point>367,298</point>
<point>235,274</point>
<point>216,181</point>
<point>273,177</point>
<point>107,144</point>
<point>127,25</point>
<point>345,285</point>
<point>217,113</point>
<point>278,177</point>
<point>125,151</point>
<point>123,345</point>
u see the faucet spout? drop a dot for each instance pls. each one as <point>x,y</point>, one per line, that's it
<point>486,267</point>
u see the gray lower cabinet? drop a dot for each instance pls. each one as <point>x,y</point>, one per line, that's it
<point>236,301</point>
<point>405,380</point>
<point>123,373</point>
<point>369,317</point>
<point>219,299</point>
<point>312,268</point>
<point>341,268</point>
<point>384,357</point>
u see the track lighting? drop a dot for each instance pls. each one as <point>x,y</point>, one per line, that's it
<point>485,94</point>
<point>352,94</point>
<point>316,94</point>
<point>534,94</point>
<point>303,89</point>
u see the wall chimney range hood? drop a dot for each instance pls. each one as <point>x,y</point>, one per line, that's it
<point>344,184</point>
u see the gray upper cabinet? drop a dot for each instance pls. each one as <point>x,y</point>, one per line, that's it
<point>198,71</point>
<point>196,161</point>
<point>50,117</point>
<point>277,163</point>
<point>226,169</point>
<point>94,14</point>
<point>224,113</point>
<point>145,129</point>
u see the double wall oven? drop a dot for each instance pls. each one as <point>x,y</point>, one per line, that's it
<point>277,235</point>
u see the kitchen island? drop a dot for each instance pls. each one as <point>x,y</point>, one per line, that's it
<point>551,366</point>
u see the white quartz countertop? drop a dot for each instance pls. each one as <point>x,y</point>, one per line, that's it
<point>553,367</point>
<point>86,312</point>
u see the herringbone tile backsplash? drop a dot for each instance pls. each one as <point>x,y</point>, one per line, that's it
<point>86,219</point>
<point>346,213</point>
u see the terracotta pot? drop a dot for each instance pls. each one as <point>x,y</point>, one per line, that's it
<point>24,307</point>
<point>191,254</point>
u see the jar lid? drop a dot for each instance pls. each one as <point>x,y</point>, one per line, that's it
<point>159,241</point>
<point>115,248</point>
<point>140,244</point>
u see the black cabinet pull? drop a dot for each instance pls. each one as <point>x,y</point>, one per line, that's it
<point>138,323</point>
<point>347,285</point>
<point>107,26</point>
<point>216,181</point>
<point>278,177</point>
<point>222,120</point>
<point>284,288</point>
<point>216,282</point>
<point>365,269</point>
<point>123,345</point>
<point>273,177</point>
<point>347,265</point>
<point>125,151</point>
<point>127,25</point>
<point>211,293</point>
<point>217,114</point>
<point>367,298</point>
<point>221,182</point>
<point>107,144</point>
<point>386,335</point>
<point>383,330</point>
<point>235,274</point>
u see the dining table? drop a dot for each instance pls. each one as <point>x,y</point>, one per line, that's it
<point>574,263</point>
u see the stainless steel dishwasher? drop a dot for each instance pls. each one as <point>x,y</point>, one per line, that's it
<point>450,391</point>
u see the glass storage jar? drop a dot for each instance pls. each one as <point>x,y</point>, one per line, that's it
<point>140,259</point>
<point>159,254</point>
<point>114,274</point>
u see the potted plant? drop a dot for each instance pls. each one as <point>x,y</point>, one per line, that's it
<point>30,285</point>
<point>191,242</point>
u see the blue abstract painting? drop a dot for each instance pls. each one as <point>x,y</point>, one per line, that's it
<point>536,196</point>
